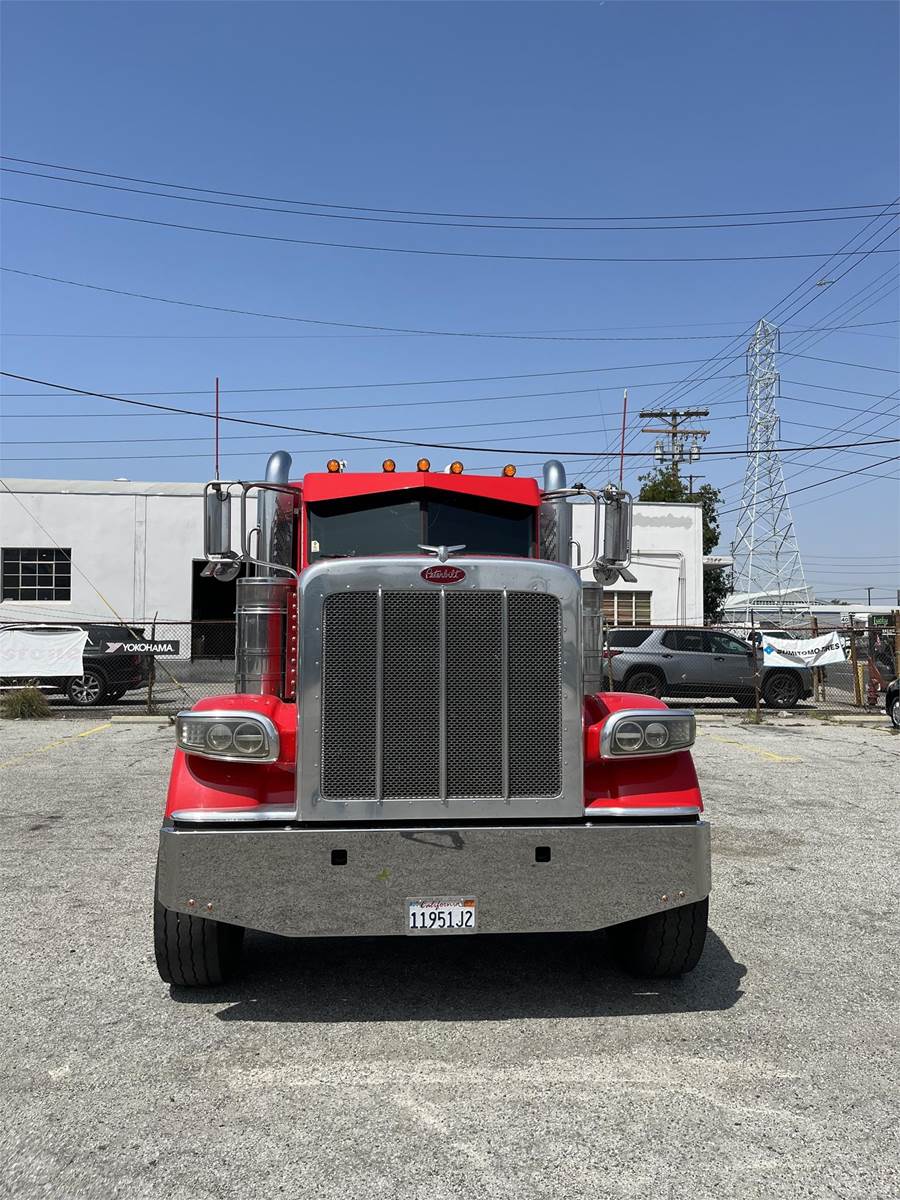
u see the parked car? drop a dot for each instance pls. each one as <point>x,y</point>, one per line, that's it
<point>108,673</point>
<point>699,662</point>
<point>892,702</point>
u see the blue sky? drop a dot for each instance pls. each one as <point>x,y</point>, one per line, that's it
<point>583,110</point>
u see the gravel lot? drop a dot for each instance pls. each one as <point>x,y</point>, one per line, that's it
<point>505,1068</point>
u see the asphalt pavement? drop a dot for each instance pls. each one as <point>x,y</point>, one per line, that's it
<point>501,1068</point>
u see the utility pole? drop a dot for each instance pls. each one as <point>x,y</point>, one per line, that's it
<point>869,596</point>
<point>673,444</point>
<point>767,564</point>
<point>691,479</point>
<point>217,427</point>
<point>622,451</point>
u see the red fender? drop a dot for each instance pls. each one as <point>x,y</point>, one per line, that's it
<point>198,782</point>
<point>669,781</point>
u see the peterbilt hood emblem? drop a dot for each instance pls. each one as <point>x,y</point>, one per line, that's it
<point>443,574</point>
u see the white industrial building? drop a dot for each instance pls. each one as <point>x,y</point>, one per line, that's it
<point>666,560</point>
<point>82,551</point>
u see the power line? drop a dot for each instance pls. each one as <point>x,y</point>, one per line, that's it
<point>418,403</point>
<point>424,213</point>
<point>672,395</point>
<point>244,312</point>
<point>435,224</point>
<point>429,253</point>
<point>253,337</point>
<point>356,437</point>
<point>395,383</point>
<point>824,482</point>
<point>837,362</point>
<point>805,284</point>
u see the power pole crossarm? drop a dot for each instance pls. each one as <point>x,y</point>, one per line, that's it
<point>676,435</point>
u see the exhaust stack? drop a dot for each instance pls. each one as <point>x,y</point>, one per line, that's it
<point>262,599</point>
<point>556,516</point>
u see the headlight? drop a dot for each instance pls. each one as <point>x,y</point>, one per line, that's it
<point>232,736</point>
<point>628,737</point>
<point>638,733</point>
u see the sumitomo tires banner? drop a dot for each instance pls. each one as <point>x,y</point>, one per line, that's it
<point>806,652</point>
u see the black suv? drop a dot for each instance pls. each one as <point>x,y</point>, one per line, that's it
<point>108,672</point>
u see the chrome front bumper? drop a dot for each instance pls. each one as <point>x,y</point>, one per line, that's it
<point>287,880</point>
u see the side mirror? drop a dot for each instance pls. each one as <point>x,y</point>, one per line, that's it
<point>617,526</point>
<point>217,529</point>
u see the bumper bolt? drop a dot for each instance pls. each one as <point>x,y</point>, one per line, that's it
<point>191,903</point>
<point>209,908</point>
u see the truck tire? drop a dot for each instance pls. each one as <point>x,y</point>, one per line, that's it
<point>646,680</point>
<point>663,945</point>
<point>781,689</point>
<point>195,951</point>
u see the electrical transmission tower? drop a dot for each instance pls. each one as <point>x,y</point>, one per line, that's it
<point>767,568</point>
<point>673,445</point>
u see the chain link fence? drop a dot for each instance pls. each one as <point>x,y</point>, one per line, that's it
<point>164,666</point>
<point>156,667</point>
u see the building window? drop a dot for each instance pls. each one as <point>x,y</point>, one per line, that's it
<point>626,608</point>
<point>36,573</point>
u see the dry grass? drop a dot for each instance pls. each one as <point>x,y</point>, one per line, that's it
<point>24,704</point>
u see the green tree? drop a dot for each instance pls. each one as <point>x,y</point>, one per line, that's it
<point>665,485</point>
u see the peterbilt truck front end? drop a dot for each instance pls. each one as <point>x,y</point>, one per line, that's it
<point>414,753</point>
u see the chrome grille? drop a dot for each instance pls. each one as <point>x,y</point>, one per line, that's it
<point>441,695</point>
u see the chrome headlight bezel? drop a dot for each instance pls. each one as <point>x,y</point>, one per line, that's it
<point>680,724</point>
<point>194,740</point>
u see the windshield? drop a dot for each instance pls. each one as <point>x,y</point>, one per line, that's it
<point>363,525</point>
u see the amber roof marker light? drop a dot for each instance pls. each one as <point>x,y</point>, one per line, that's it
<point>333,466</point>
<point>509,470</point>
<point>423,465</point>
<point>389,465</point>
<point>456,468</point>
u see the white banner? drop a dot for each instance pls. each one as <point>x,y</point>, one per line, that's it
<point>41,653</point>
<point>805,652</point>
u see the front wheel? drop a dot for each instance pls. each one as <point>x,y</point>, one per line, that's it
<point>87,689</point>
<point>647,683</point>
<point>895,712</point>
<point>663,945</point>
<point>781,690</point>
<point>195,951</point>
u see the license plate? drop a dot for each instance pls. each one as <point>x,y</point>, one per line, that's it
<point>444,914</point>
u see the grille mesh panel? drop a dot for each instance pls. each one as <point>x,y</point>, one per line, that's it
<point>411,720</point>
<point>469,689</point>
<point>534,695</point>
<point>349,677</point>
<point>474,694</point>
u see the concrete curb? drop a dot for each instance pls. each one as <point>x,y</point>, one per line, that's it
<point>162,719</point>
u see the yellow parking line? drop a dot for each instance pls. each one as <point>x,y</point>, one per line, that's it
<point>767,754</point>
<point>11,762</point>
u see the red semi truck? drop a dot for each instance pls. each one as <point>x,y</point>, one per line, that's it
<point>419,742</point>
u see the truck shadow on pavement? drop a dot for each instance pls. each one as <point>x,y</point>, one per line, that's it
<point>501,977</point>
